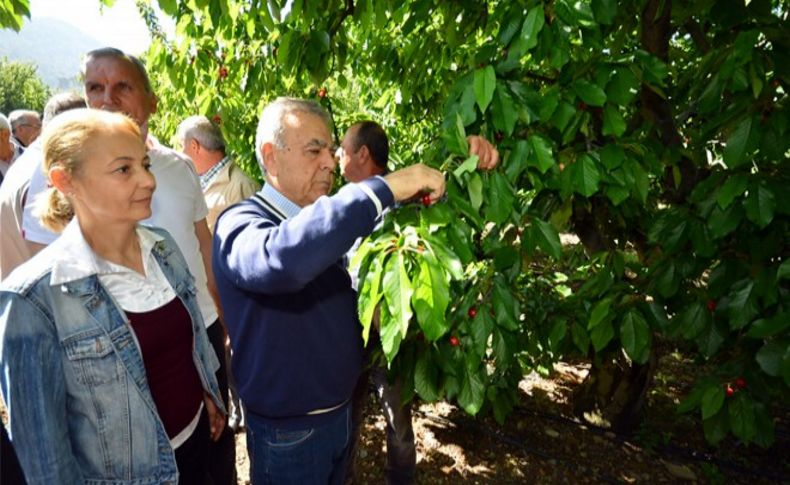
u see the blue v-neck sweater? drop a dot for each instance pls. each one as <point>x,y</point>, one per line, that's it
<point>288,303</point>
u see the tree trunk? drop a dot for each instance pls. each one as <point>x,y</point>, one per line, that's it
<point>613,393</point>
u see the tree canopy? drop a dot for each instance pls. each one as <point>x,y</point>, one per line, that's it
<point>20,87</point>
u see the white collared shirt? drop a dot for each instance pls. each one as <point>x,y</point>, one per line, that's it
<point>133,291</point>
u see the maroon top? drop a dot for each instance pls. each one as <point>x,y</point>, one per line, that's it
<point>166,341</point>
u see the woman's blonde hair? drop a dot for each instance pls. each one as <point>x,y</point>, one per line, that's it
<point>64,143</point>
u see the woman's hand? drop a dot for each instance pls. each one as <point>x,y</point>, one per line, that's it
<point>216,420</point>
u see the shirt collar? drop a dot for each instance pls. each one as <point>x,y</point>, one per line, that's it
<point>208,177</point>
<point>77,260</point>
<point>281,202</point>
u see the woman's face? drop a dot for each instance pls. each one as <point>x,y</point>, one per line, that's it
<point>113,183</point>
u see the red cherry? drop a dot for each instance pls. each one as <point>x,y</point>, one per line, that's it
<point>711,305</point>
<point>217,119</point>
<point>582,105</point>
<point>426,200</point>
<point>729,391</point>
<point>223,72</point>
<point>499,136</point>
<point>454,341</point>
<point>472,312</point>
<point>740,383</point>
<point>322,93</point>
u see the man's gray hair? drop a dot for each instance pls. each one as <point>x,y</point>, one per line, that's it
<point>271,126</point>
<point>203,131</point>
<point>114,53</point>
<point>4,123</point>
<point>20,116</point>
<point>61,103</point>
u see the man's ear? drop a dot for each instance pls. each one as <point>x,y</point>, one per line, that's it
<point>267,152</point>
<point>364,155</point>
<point>194,145</point>
<point>61,179</point>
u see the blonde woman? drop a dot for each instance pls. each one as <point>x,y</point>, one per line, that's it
<point>107,370</point>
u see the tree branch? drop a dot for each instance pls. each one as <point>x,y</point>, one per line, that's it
<point>697,35</point>
<point>655,36</point>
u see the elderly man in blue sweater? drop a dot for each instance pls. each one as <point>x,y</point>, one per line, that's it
<point>289,305</point>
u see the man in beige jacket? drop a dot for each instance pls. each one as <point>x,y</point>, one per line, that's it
<point>222,181</point>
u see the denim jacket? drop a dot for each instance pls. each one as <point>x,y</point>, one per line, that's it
<point>73,377</point>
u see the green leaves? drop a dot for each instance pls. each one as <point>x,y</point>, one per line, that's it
<point>500,198</point>
<point>712,401</point>
<point>732,188</point>
<point>472,393</point>
<point>505,111</point>
<point>622,87</point>
<point>532,26</point>
<point>431,297</point>
<point>426,377</point>
<point>457,136</point>
<point>590,93</point>
<point>774,359</point>
<point>369,296</point>
<point>540,156</point>
<point>760,204</point>
<point>397,292</point>
<point>475,188</point>
<point>485,83</point>
<point>546,237</point>
<point>506,307</point>
<point>600,324</point>
<point>468,166</point>
<point>635,336</point>
<point>613,122</point>
<point>692,320</point>
<point>604,10</point>
<point>742,418</point>
<point>768,327</point>
<point>738,143</point>
<point>584,176</point>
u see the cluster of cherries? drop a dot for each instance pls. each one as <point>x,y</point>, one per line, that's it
<point>453,339</point>
<point>737,385</point>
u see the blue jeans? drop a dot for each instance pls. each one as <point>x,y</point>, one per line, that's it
<point>305,456</point>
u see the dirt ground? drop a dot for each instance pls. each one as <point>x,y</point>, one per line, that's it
<point>543,443</point>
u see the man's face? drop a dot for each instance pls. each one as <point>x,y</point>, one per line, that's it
<point>350,167</point>
<point>6,149</point>
<point>28,130</point>
<point>116,85</point>
<point>303,170</point>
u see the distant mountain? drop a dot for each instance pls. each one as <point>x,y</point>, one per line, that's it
<point>53,45</point>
